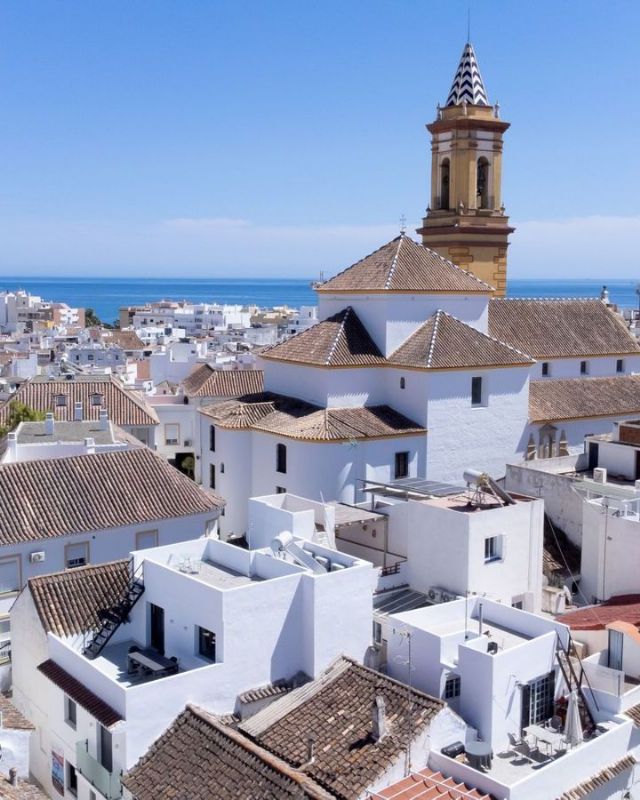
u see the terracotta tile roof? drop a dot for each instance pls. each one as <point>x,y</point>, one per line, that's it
<point>581,398</point>
<point>11,718</point>
<point>623,608</point>
<point>336,711</point>
<point>125,407</point>
<point>143,370</point>
<point>339,424</point>
<point>295,419</point>
<point>25,790</point>
<point>78,692</point>
<point>560,328</point>
<point>634,714</point>
<point>59,496</point>
<point>445,342</point>
<point>338,341</point>
<point>199,757</point>
<point>429,785</point>
<point>127,340</point>
<point>601,778</point>
<point>206,381</point>
<point>68,602</point>
<point>403,265</point>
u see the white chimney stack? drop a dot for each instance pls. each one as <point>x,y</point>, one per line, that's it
<point>77,412</point>
<point>104,421</point>
<point>378,719</point>
<point>90,445</point>
<point>49,423</point>
<point>12,445</point>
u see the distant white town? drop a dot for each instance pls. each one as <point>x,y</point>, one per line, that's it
<point>383,547</point>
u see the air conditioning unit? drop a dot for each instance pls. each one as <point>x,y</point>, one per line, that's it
<point>600,475</point>
<point>438,595</point>
<point>36,558</point>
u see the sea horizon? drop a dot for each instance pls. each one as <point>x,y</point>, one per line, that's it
<point>107,295</point>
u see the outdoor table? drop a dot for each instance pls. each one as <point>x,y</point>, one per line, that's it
<point>153,662</point>
<point>553,739</point>
<point>479,754</point>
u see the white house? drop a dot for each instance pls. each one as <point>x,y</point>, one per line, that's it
<point>506,673</point>
<point>218,620</point>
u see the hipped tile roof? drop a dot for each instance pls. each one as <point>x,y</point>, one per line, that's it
<point>429,784</point>
<point>206,381</point>
<point>78,692</point>
<point>403,266</point>
<point>560,328</point>
<point>336,710</point>
<point>554,400</point>
<point>68,602</point>
<point>59,496</point>
<point>11,718</point>
<point>25,790</point>
<point>199,758</point>
<point>124,406</point>
<point>338,341</point>
<point>445,342</point>
<point>296,419</point>
<point>589,787</point>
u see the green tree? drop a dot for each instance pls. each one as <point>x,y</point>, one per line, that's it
<point>19,412</point>
<point>91,319</point>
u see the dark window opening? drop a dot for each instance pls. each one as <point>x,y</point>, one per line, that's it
<point>444,184</point>
<point>402,465</point>
<point>212,476</point>
<point>584,367</point>
<point>482,185</point>
<point>280,490</point>
<point>207,644</point>
<point>620,365</point>
<point>281,458</point>
<point>545,369</point>
<point>212,438</point>
<point>476,391</point>
<point>402,383</point>
<point>452,687</point>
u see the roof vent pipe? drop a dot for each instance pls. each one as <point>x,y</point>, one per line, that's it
<point>49,423</point>
<point>13,776</point>
<point>479,619</point>
<point>311,750</point>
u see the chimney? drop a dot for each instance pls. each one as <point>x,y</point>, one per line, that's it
<point>104,421</point>
<point>13,776</point>
<point>49,423</point>
<point>378,719</point>
<point>12,445</point>
<point>90,445</point>
<point>77,412</point>
<point>311,750</point>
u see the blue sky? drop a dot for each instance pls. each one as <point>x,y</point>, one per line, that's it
<point>255,138</point>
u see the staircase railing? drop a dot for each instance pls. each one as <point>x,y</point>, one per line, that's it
<point>114,613</point>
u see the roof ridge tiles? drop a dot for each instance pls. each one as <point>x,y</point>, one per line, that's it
<point>394,262</point>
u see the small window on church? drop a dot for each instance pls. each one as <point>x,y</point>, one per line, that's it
<point>444,184</point>
<point>403,382</point>
<point>482,185</point>
<point>545,369</point>
<point>584,367</point>
<point>620,365</point>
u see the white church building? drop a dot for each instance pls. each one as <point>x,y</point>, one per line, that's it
<point>420,367</point>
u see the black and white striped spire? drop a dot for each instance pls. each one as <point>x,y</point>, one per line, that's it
<point>467,85</point>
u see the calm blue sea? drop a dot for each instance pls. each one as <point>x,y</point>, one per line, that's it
<point>106,295</point>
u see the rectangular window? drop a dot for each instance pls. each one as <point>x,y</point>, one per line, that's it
<point>402,465</point>
<point>280,490</point>
<point>76,555</point>
<point>620,365</point>
<point>171,432</point>
<point>10,574</point>
<point>492,549</point>
<point>281,458</point>
<point>206,644</point>
<point>105,748</point>
<point>61,400</point>
<point>452,687</point>
<point>476,391</point>
<point>146,539</point>
<point>541,693</point>
<point>72,780</point>
<point>70,712</point>
<point>212,438</point>
<point>377,632</point>
<point>584,367</point>
<point>212,476</point>
<point>545,369</point>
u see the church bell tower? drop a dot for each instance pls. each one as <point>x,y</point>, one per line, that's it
<point>466,221</point>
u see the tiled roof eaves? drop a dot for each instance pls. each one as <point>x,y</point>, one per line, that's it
<point>341,439</point>
<point>486,289</point>
<point>78,692</point>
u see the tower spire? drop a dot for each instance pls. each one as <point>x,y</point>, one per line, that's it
<point>467,86</point>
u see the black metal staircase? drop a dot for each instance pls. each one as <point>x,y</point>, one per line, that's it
<point>114,616</point>
<point>575,678</point>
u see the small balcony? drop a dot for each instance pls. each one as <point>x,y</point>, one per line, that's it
<point>107,783</point>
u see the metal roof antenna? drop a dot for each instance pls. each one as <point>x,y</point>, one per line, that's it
<point>403,224</point>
